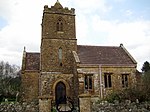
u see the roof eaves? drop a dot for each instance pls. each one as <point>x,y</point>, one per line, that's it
<point>106,65</point>
<point>32,70</point>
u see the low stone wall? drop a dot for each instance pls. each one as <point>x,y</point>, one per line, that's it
<point>102,106</point>
<point>18,107</point>
<point>127,106</point>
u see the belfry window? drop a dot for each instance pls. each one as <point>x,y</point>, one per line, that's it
<point>59,25</point>
<point>60,56</point>
<point>107,80</point>
<point>88,83</point>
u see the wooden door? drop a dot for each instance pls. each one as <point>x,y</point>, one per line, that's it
<point>60,93</point>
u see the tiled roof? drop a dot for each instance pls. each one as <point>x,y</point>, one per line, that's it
<point>32,61</point>
<point>88,55</point>
<point>103,55</point>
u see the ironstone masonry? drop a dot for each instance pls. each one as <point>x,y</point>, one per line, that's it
<point>64,69</point>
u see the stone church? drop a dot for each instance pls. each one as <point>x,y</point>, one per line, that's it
<point>64,69</point>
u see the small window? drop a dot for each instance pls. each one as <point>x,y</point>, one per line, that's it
<point>59,25</point>
<point>107,80</point>
<point>60,56</point>
<point>88,82</point>
<point>125,80</point>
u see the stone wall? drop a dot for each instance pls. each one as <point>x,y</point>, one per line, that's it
<point>97,71</point>
<point>50,57</point>
<point>53,39</point>
<point>49,81</point>
<point>127,106</point>
<point>30,86</point>
<point>85,102</point>
<point>45,104</point>
<point>102,106</point>
<point>19,107</point>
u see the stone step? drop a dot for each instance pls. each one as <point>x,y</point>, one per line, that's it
<point>64,108</point>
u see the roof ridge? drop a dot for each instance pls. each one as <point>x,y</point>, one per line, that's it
<point>33,52</point>
<point>98,46</point>
<point>103,55</point>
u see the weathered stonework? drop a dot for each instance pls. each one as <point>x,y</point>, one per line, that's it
<point>104,106</point>
<point>98,78</point>
<point>64,69</point>
<point>53,39</point>
<point>30,86</point>
<point>19,107</point>
<point>95,107</point>
<point>58,33</point>
<point>49,55</point>
<point>45,104</point>
<point>48,82</point>
<point>85,103</point>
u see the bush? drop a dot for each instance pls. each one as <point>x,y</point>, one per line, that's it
<point>53,110</point>
<point>112,97</point>
<point>129,94</point>
<point>132,94</point>
<point>9,88</point>
<point>141,91</point>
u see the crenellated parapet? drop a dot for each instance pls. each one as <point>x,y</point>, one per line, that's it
<point>58,9</point>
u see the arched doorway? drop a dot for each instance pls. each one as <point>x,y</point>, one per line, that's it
<point>60,93</point>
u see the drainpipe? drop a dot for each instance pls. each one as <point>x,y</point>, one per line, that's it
<point>100,78</point>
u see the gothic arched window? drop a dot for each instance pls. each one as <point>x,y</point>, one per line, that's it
<point>60,56</point>
<point>59,25</point>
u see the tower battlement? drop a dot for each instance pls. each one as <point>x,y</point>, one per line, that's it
<point>58,8</point>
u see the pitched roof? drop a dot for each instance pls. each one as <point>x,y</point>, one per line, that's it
<point>58,5</point>
<point>107,55</point>
<point>32,61</point>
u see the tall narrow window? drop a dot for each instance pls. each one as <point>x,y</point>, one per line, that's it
<point>107,80</point>
<point>125,80</point>
<point>88,82</point>
<point>60,56</point>
<point>59,25</point>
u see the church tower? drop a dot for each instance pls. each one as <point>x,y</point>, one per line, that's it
<point>58,76</point>
<point>58,39</point>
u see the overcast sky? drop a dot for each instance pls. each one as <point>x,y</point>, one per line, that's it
<point>98,22</point>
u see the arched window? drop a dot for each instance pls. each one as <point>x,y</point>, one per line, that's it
<point>59,25</point>
<point>60,56</point>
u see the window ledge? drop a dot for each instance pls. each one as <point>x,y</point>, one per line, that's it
<point>60,32</point>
